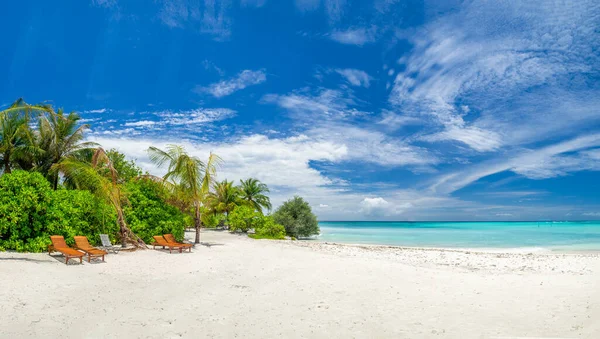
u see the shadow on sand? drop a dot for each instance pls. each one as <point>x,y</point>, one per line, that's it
<point>25,259</point>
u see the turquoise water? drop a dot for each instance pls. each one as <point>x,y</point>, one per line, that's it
<point>568,235</point>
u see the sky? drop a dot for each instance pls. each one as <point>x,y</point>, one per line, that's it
<point>370,110</point>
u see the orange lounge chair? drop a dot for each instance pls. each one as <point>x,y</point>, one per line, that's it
<point>171,239</point>
<point>82,244</point>
<point>59,245</point>
<point>160,241</point>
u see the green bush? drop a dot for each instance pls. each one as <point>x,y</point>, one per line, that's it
<point>30,212</point>
<point>267,228</point>
<point>297,218</point>
<point>147,213</point>
<point>243,218</point>
<point>211,220</point>
<point>76,212</point>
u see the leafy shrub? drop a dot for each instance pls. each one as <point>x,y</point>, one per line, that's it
<point>297,218</point>
<point>212,220</point>
<point>77,212</point>
<point>147,213</point>
<point>30,212</point>
<point>243,218</point>
<point>267,228</point>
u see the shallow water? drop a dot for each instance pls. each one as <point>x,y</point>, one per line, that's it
<point>557,236</point>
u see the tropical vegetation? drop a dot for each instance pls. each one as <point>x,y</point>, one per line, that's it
<point>55,181</point>
<point>297,218</point>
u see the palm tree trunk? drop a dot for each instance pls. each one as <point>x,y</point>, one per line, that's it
<point>123,229</point>
<point>55,181</point>
<point>197,224</point>
<point>7,162</point>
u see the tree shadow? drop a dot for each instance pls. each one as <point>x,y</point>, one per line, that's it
<point>210,244</point>
<point>24,259</point>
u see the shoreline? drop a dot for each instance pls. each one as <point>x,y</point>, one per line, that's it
<point>516,250</point>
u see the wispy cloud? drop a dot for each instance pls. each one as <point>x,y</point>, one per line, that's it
<point>334,9</point>
<point>546,162</point>
<point>211,66</point>
<point>96,111</point>
<point>242,80</point>
<point>355,77</point>
<point>501,70</point>
<point>188,119</point>
<point>195,116</point>
<point>253,3</point>
<point>325,103</point>
<point>105,3</point>
<point>212,16</point>
<point>395,121</point>
<point>354,36</point>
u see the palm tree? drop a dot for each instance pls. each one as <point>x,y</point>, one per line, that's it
<point>253,193</point>
<point>60,137</point>
<point>15,135</point>
<point>100,178</point>
<point>192,176</point>
<point>225,197</point>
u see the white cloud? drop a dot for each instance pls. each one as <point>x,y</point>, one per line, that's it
<point>195,116</point>
<point>96,111</point>
<point>546,162</point>
<point>370,146</point>
<point>354,36</point>
<point>209,65</point>
<point>105,3</point>
<point>504,214</point>
<point>355,77</point>
<point>253,3</point>
<point>226,87</point>
<point>141,123</point>
<point>188,119</point>
<point>515,73</point>
<point>395,121</point>
<point>334,9</point>
<point>327,103</point>
<point>212,16</point>
<point>591,214</point>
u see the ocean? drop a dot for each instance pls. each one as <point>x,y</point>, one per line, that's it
<point>546,235</point>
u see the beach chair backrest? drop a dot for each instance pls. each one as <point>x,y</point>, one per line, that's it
<point>82,242</point>
<point>159,239</point>
<point>58,241</point>
<point>170,238</point>
<point>105,240</point>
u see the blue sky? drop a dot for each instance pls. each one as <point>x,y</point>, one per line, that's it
<point>371,110</point>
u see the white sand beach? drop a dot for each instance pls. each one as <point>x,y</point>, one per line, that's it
<point>236,287</point>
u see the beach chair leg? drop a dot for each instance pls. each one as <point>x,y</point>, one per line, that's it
<point>103,257</point>
<point>66,260</point>
<point>81,260</point>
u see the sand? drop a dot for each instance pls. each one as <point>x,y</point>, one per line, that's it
<point>236,287</point>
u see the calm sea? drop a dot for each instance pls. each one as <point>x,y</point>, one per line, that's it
<point>558,236</point>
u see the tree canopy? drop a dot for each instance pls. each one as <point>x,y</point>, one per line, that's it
<point>297,218</point>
